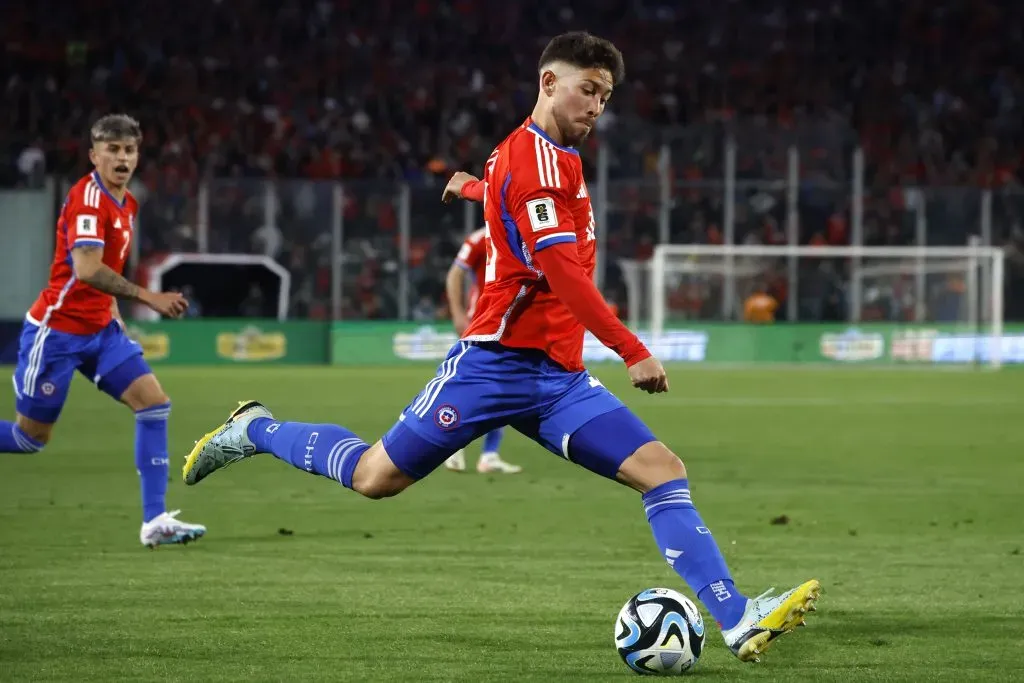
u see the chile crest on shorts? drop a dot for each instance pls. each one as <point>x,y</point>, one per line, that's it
<point>446,416</point>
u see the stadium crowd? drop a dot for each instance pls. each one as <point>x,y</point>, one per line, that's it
<point>236,93</point>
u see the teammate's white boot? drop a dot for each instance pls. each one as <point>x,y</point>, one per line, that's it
<point>457,461</point>
<point>225,445</point>
<point>767,617</point>
<point>165,529</point>
<point>492,463</point>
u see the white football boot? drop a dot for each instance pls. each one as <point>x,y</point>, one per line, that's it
<point>457,461</point>
<point>491,463</point>
<point>767,617</point>
<point>165,529</point>
<point>225,445</point>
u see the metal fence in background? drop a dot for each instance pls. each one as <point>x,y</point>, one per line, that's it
<point>377,249</point>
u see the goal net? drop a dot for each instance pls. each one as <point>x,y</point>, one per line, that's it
<point>799,304</point>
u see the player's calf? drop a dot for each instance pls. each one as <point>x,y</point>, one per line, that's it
<point>135,385</point>
<point>621,440</point>
<point>24,435</point>
<point>328,450</point>
<point>685,541</point>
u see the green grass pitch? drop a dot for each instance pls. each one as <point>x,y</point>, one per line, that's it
<point>902,492</point>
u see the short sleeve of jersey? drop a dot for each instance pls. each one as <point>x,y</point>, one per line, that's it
<point>85,218</point>
<point>538,195</point>
<point>473,252</point>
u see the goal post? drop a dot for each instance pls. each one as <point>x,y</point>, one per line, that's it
<point>222,281</point>
<point>947,300</point>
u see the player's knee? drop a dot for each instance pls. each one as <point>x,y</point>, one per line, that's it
<point>377,485</point>
<point>652,465</point>
<point>377,477</point>
<point>157,399</point>
<point>144,392</point>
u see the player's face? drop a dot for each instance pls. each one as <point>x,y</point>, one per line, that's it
<point>115,160</point>
<point>580,97</point>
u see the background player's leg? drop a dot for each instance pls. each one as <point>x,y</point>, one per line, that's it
<point>457,461</point>
<point>42,378</point>
<point>492,440</point>
<point>490,460</point>
<point>118,369</point>
<point>152,408</point>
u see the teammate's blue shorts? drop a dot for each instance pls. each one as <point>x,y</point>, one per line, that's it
<point>47,360</point>
<point>482,386</point>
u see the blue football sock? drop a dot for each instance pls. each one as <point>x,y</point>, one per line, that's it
<point>151,459</point>
<point>13,440</point>
<point>492,440</point>
<point>690,549</point>
<point>328,450</point>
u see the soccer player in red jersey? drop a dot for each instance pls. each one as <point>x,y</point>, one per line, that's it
<point>471,261</point>
<point>75,325</point>
<point>520,361</point>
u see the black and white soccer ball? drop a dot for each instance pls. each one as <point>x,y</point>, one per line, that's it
<point>659,631</point>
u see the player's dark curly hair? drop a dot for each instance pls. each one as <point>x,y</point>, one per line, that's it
<point>585,51</point>
<point>115,127</point>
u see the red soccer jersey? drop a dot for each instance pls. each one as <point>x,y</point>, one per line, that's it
<point>473,257</point>
<point>534,198</point>
<point>90,216</point>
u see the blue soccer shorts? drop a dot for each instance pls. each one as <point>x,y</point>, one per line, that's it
<point>48,359</point>
<point>483,386</point>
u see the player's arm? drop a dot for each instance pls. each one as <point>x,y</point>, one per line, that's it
<point>463,186</point>
<point>545,214</point>
<point>86,233</point>
<point>569,282</point>
<point>567,279</point>
<point>87,260</point>
<point>455,288</point>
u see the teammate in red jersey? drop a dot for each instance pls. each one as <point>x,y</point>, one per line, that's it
<point>470,261</point>
<point>75,325</point>
<point>520,361</point>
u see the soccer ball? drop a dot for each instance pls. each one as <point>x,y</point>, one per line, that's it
<point>659,631</point>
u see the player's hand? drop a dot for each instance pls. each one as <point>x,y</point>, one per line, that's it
<point>649,375</point>
<point>460,323</point>
<point>170,304</point>
<point>453,190</point>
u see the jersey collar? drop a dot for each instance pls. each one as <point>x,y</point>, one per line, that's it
<point>535,129</point>
<point>99,181</point>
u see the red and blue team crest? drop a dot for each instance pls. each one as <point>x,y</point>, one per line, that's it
<point>446,417</point>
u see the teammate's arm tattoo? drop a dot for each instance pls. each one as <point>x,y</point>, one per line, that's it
<point>102,277</point>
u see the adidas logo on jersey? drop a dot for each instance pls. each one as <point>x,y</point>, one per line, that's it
<point>582,194</point>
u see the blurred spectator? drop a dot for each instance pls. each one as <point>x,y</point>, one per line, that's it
<point>237,91</point>
<point>760,306</point>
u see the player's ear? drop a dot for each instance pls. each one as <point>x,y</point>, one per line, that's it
<point>92,155</point>
<point>547,82</point>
